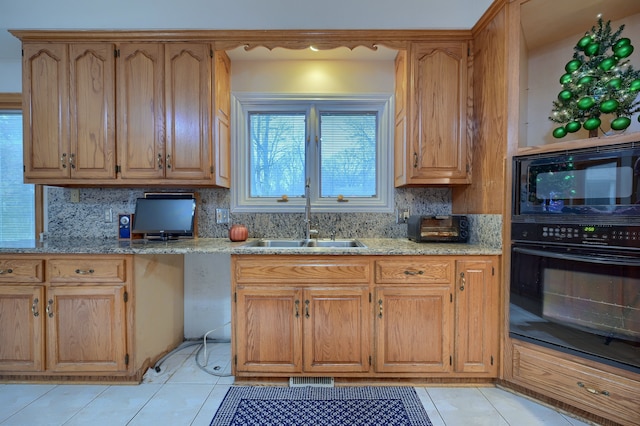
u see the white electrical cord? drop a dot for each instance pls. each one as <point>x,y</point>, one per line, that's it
<point>202,345</point>
<point>204,340</point>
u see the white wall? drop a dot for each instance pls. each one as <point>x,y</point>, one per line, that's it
<point>207,295</point>
<point>546,65</point>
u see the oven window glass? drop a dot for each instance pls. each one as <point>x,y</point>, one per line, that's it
<point>582,307</point>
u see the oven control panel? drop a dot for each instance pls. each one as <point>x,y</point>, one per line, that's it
<point>597,235</point>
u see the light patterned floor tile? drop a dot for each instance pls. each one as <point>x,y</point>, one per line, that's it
<point>173,404</point>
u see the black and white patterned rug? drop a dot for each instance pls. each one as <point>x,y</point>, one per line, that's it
<point>321,406</point>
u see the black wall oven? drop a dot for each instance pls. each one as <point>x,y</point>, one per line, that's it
<point>575,253</point>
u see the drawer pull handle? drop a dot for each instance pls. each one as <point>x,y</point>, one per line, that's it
<point>414,272</point>
<point>50,308</point>
<point>297,303</point>
<point>380,308</point>
<point>6,271</point>
<point>463,281</point>
<point>34,307</point>
<point>160,162</point>
<point>306,308</point>
<point>84,271</point>
<point>593,391</point>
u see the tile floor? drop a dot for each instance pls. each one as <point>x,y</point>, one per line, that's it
<point>183,394</point>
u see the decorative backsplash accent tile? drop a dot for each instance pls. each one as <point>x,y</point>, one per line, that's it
<point>85,219</point>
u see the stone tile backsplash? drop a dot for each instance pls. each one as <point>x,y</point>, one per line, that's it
<point>85,219</point>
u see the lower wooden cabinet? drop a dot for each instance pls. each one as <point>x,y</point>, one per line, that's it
<point>603,391</point>
<point>365,316</point>
<point>83,316</point>
<point>315,320</point>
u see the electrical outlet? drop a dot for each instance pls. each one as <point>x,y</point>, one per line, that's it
<point>222,215</point>
<point>108,215</point>
<point>75,195</point>
<point>402,215</point>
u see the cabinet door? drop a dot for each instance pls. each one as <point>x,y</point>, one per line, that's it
<point>222,119</point>
<point>86,329</point>
<point>400,129</point>
<point>188,92</point>
<point>21,328</point>
<point>336,330</point>
<point>92,111</point>
<point>477,317</point>
<point>140,110</point>
<point>440,153</point>
<point>268,330</point>
<point>414,329</point>
<point>45,90</point>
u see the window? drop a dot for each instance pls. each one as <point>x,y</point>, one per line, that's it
<point>17,200</point>
<point>342,146</point>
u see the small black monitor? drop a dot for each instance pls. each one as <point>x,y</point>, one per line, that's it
<point>164,218</point>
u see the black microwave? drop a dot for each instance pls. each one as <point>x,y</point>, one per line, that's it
<point>591,185</point>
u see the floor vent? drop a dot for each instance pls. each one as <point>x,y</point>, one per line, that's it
<point>318,382</point>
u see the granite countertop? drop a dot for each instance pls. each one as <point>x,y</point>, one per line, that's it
<point>374,246</point>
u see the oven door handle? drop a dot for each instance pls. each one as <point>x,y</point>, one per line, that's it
<point>606,260</point>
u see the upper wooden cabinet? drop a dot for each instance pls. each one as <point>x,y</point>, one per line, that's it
<point>69,108</point>
<point>126,113</point>
<point>431,137</point>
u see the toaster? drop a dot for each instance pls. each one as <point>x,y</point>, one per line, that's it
<point>435,229</point>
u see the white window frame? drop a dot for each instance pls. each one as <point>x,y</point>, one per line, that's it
<point>244,103</point>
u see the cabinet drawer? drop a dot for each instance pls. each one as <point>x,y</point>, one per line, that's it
<point>87,269</point>
<point>301,270</point>
<point>16,270</point>
<point>596,391</point>
<point>414,271</point>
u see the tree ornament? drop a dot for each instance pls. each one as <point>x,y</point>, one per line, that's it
<point>573,126</point>
<point>599,79</point>
<point>592,123</point>
<point>607,64</point>
<point>615,83</point>
<point>622,42</point>
<point>592,49</point>
<point>566,78</point>
<point>586,103</point>
<point>559,132</point>
<point>587,79</point>
<point>584,42</point>
<point>565,96</point>
<point>609,106</point>
<point>620,123</point>
<point>623,51</point>
<point>572,65</point>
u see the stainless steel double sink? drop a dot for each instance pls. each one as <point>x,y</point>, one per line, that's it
<point>303,243</point>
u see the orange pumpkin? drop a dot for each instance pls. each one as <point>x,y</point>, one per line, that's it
<point>238,233</point>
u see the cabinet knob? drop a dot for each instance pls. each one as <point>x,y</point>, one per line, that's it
<point>34,307</point>
<point>160,161</point>
<point>6,271</point>
<point>414,272</point>
<point>463,281</point>
<point>168,161</point>
<point>50,308</point>
<point>593,391</point>
<point>380,308</point>
<point>306,308</point>
<point>84,271</point>
<point>63,160</point>
<point>297,303</point>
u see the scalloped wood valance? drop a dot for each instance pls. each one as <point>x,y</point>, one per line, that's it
<point>250,39</point>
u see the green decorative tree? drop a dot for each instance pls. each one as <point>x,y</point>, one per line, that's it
<point>598,80</point>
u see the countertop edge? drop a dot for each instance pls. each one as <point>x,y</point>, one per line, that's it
<point>374,246</point>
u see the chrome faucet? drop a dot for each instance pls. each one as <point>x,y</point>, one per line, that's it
<point>307,213</point>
